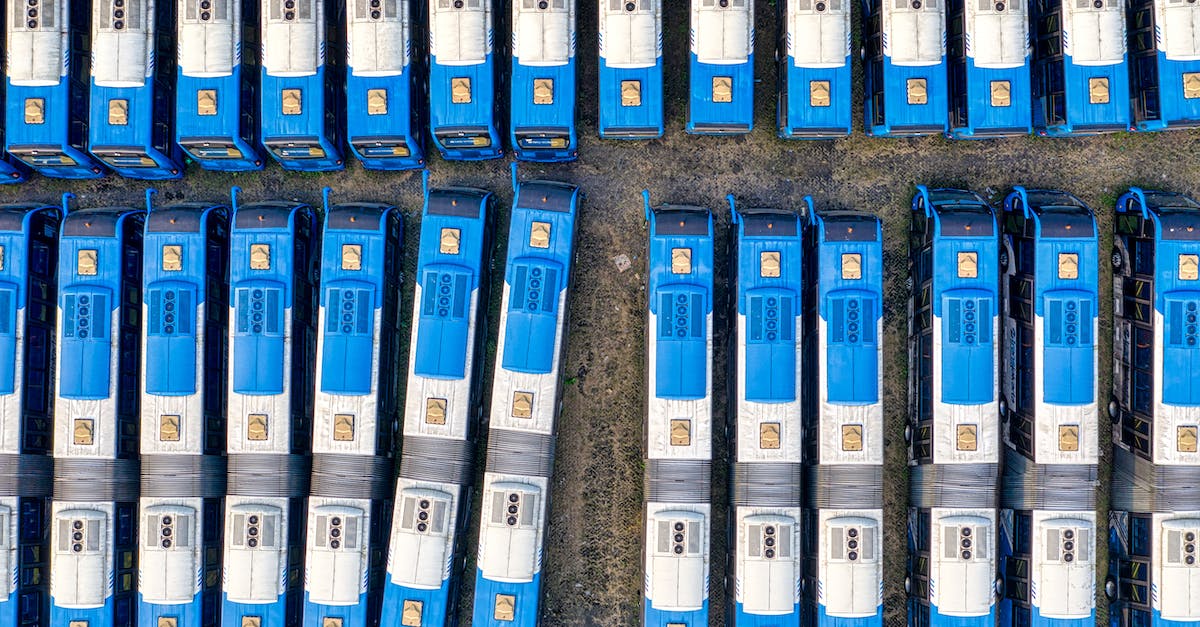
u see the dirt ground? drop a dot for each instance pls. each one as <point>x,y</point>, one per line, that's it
<point>592,563</point>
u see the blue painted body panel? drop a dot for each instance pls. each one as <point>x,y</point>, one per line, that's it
<point>260,299</point>
<point>232,146</point>
<point>379,140</point>
<point>742,618</point>
<point>968,307</point>
<point>658,618</point>
<point>851,309</point>
<point>447,281</point>
<point>356,615</point>
<point>1175,109</point>
<point>644,121</point>
<point>900,118</point>
<point>1076,114</point>
<point>537,130</point>
<point>12,171</point>
<point>1085,118</point>
<point>985,120</point>
<point>825,620</point>
<point>799,119</point>
<point>537,278</point>
<point>314,150</point>
<point>682,310</point>
<point>771,306</point>
<point>272,614</point>
<point>525,606</point>
<point>706,117</point>
<point>464,124</point>
<point>129,149</point>
<point>437,606</point>
<point>171,297</point>
<point>1068,308</point>
<point>189,614</point>
<point>1176,299</point>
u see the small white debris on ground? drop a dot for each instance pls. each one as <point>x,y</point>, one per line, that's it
<point>622,262</point>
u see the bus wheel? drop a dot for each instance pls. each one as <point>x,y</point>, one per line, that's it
<point>1003,260</point>
<point>1117,260</point>
<point>1110,588</point>
<point>1114,410</point>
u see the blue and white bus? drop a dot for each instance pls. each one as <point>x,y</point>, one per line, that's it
<point>441,409</point>
<point>216,84</point>
<point>721,70</point>
<point>904,67</point>
<point>814,69</point>
<point>631,69</point>
<point>765,418</point>
<point>11,169</point>
<point>273,263</point>
<point>385,70</point>
<point>953,429</point>
<point>1048,403</point>
<point>93,537</point>
<point>182,413</point>
<point>28,287</point>
<point>464,79</point>
<point>679,420</point>
<point>131,102</point>
<point>1155,407</point>
<point>1080,73</point>
<point>842,524</point>
<point>1164,64</point>
<point>302,103</point>
<point>525,403</point>
<point>988,56</point>
<point>46,88</point>
<point>542,81</point>
<point>356,405</point>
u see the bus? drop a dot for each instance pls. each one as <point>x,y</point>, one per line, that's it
<point>357,384</point>
<point>464,79</point>
<point>273,263</point>
<point>183,342</point>
<point>28,287</point>
<point>302,103</point>
<point>1049,410</point>
<point>678,448</point>
<point>953,430</point>
<point>842,521</point>
<point>1155,516</point>
<point>542,81</point>
<point>1164,64</point>
<point>1080,74</point>
<point>814,69</point>
<point>93,534</point>
<point>46,88</point>
<point>988,60</point>
<point>426,550</point>
<point>721,71</point>
<point>525,403</point>
<point>132,101</point>
<point>631,69</point>
<point>385,70</point>
<point>216,85</point>
<point>904,67</point>
<point>765,417</point>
